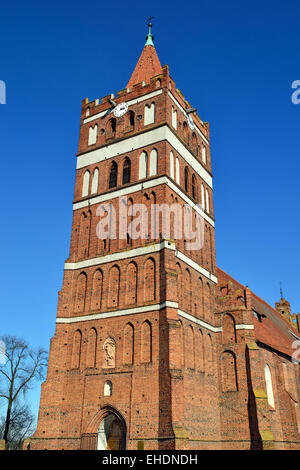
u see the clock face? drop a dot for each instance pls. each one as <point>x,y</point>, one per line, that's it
<point>120,109</point>
<point>190,121</point>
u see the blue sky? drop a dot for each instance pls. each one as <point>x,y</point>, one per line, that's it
<point>234,61</point>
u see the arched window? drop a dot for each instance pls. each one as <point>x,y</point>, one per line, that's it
<point>95,181</point>
<point>84,234</point>
<point>149,116</point>
<point>111,128</point>
<point>80,292</point>
<point>269,386</point>
<point>194,143</point>
<point>76,350</point>
<point>149,280</point>
<point>143,165</point>
<point>128,344</point>
<point>126,171</point>
<point>193,187</point>
<point>207,200</point>
<point>131,284</point>
<point>91,348</point>
<point>229,372</point>
<point>146,342</point>
<point>171,165</point>
<point>201,297</point>
<point>177,171</point>
<point>113,175</point>
<point>153,163</point>
<point>96,295</point>
<point>208,311</point>
<point>86,183</point>
<point>200,351</point>
<point>208,354</point>
<point>228,331</point>
<point>93,135</point>
<point>202,197</point>
<point>179,283</point>
<point>190,348</point>
<point>107,392</point>
<point>187,290</point>
<point>186,179</point>
<point>114,287</point>
<point>204,154</point>
<point>131,120</point>
<point>174,117</point>
<point>185,131</point>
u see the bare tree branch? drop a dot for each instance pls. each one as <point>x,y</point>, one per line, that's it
<point>24,366</point>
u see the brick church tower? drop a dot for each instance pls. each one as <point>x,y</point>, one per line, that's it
<point>140,323</point>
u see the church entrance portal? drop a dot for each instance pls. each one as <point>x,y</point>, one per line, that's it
<point>111,433</point>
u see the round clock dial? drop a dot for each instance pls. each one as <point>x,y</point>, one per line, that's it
<point>120,109</point>
<point>190,121</point>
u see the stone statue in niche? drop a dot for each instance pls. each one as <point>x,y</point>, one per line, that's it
<point>109,356</point>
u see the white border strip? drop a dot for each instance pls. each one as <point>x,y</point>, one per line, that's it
<point>189,317</point>
<point>143,250</point>
<point>142,186</point>
<point>118,313</point>
<point>244,327</point>
<point>130,102</point>
<point>145,309</point>
<point>142,140</point>
<point>195,266</point>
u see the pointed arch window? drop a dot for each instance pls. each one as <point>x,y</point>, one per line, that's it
<point>93,135</point>
<point>149,116</point>
<point>126,171</point>
<point>111,128</point>
<point>174,117</point>
<point>177,171</point>
<point>131,120</point>
<point>172,164</point>
<point>153,163</point>
<point>86,183</point>
<point>143,163</point>
<point>204,154</point>
<point>107,392</point>
<point>186,179</point>
<point>269,386</point>
<point>202,196</point>
<point>194,143</point>
<point>113,175</point>
<point>185,131</point>
<point>207,201</point>
<point>95,181</point>
<point>193,187</point>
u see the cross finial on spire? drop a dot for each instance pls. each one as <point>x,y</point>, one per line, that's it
<point>281,291</point>
<point>149,37</point>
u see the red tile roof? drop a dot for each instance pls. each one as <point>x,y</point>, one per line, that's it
<point>273,330</point>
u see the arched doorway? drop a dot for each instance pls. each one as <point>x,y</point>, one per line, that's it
<point>111,433</point>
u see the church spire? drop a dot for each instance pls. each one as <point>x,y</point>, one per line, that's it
<point>148,64</point>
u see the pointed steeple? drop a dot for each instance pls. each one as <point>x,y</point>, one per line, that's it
<point>148,64</point>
